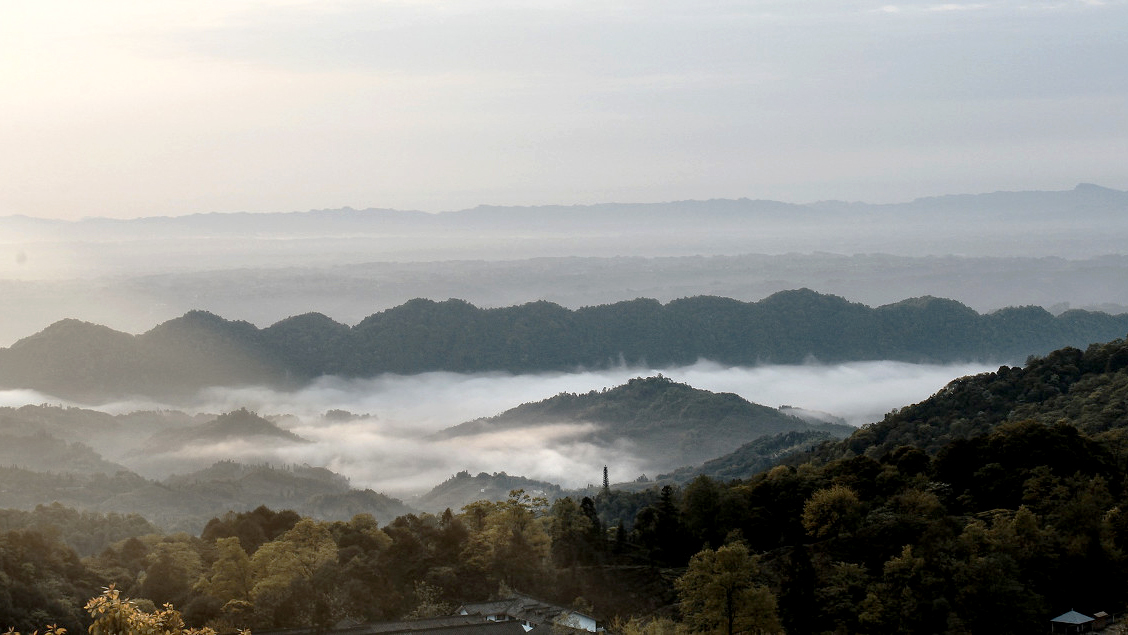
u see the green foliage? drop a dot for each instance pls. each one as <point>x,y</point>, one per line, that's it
<point>428,602</point>
<point>292,582</point>
<point>42,581</point>
<point>719,593</point>
<point>231,576</point>
<point>113,615</point>
<point>508,540</point>
<point>84,531</point>
<point>752,457</point>
<point>1085,388</point>
<point>831,511</point>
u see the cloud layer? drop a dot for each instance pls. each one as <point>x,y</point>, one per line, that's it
<point>385,446</point>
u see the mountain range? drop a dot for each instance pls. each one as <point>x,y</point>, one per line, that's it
<point>1086,203</point>
<point>78,360</point>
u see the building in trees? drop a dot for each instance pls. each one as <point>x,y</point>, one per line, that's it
<point>530,612</point>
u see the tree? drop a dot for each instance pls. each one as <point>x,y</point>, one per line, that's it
<point>719,593</point>
<point>508,539</point>
<point>173,566</point>
<point>569,528</point>
<point>832,511</point>
<point>113,615</point>
<point>231,577</point>
<point>659,528</point>
<point>286,574</point>
<point>428,602</point>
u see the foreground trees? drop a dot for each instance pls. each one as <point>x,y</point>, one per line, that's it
<point>720,594</point>
<point>111,614</point>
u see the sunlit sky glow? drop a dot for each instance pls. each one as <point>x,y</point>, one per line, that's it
<point>131,108</point>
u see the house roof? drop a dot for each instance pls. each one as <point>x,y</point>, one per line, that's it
<point>445,625</point>
<point>520,607</point>
<point>1072,617</point>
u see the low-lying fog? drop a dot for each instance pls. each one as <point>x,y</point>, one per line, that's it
<point>389,451</point>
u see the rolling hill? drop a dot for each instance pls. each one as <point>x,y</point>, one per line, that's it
<point>174,360</point>
<point>669,423</point>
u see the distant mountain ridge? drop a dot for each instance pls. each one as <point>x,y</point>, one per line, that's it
<point>1033,204</point>
<point>72,359</point>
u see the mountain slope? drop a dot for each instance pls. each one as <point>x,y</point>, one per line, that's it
<point>751,458</point>
<point>463,489</point>
<point>240,424</point>
<point>1085,389</point>
<point>671,424</point>
<point>187,502</point>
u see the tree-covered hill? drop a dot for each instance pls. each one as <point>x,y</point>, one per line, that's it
<point>992,506</point>
<point>86,532</point>
<point>80,360</point>
<point>463,489</point>
<point>671,423</point>
<point>1086,389</point>
<point>187,501</point>
<point>239,424</point>
<point>751,458</point>
<point>42,451</point>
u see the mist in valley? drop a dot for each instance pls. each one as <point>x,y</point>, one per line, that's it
<point>378,432</point>
<point>1040,248</point>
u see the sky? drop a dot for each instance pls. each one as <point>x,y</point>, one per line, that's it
<point>127,108</point>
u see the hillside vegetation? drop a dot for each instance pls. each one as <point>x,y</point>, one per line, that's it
<point>672,424</point>
<point>990,507</point>
<point>185,502</point>
<point>80,360</point>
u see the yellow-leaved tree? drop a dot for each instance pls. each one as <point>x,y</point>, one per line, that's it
<point>230,579</point>
<point>291,577</point>
<point>114,615</point>
<point>719,593</point>
<point>508,539</point>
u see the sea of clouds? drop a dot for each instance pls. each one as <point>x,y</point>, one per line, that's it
<point>388,446</point>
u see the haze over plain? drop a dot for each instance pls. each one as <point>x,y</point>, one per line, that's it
<point>127,108</point>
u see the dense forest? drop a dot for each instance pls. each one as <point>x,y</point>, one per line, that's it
<point>80,360</point>
<point>991,507</point>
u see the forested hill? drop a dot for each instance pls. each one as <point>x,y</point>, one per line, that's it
<point>1087,390</point>
<point>673,423</point>
<point>81,360</point>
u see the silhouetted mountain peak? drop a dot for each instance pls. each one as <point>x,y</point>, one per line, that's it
<point>73,331</point>
<point>243,423</point>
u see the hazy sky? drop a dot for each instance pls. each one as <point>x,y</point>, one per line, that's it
<point>142,107</point>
